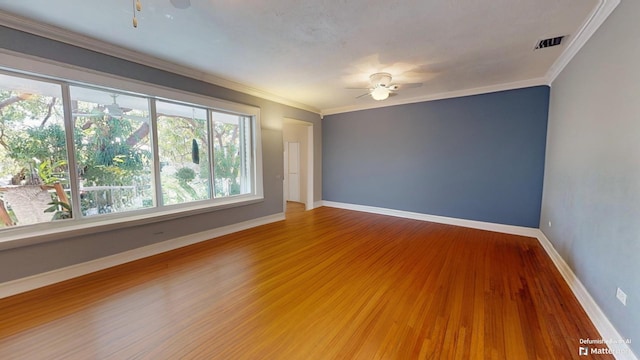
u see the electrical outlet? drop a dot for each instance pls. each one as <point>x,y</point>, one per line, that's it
<point>621,296</point>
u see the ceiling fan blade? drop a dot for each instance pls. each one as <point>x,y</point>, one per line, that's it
<point>89,115</point>
<point>135,118</point>
<point>357,88</point>
<point>363,95</point>
<point>407,86</point>
<point>392,94</point>
<point>95,112</point>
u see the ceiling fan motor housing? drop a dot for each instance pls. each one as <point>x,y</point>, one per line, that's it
<point>380,79</point>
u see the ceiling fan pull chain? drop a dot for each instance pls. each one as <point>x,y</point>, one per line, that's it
<point>137,6</point>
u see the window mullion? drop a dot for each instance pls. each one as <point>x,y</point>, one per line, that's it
<point>243,154</point>
<point>157,185</point>
<point>251,152</point>
<point>212,160</point>
<point>69,127</point>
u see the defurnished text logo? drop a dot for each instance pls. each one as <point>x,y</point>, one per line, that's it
<point>604,347</point>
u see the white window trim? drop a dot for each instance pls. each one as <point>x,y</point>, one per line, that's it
<point>56,230</point>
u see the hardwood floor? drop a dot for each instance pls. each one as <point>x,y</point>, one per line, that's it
<point>324,284</point>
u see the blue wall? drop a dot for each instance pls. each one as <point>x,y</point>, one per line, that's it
<point>477,157</point>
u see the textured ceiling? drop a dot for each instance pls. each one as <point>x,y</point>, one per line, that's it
<point>310,52</point>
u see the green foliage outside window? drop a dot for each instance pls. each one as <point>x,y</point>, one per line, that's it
<point>227,159</point>
<point>116,151</point>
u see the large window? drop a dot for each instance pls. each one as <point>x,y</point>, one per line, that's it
<point>113,153</point>
<point>71,152</point>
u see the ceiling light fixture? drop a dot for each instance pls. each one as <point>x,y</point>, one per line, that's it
<point>380,93</point>
<point>381,88</point>
<point>137,6</point>
<point>379,83</point>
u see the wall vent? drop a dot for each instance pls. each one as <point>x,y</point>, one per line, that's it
<point>545,43</point>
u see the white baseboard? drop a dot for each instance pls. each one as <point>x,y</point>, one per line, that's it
<point>507,229</point>
<point>608,332</point>
<point>51,277</point>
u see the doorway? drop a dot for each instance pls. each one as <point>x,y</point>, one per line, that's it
<point>298,163</point>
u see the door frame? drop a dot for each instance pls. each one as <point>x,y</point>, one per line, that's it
<point>309,199</point>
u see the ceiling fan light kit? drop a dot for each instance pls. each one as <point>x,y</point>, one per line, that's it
<point>379,83</point>
<point>381,88</point>
<point>380,93</point>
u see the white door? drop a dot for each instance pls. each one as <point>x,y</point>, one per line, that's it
<point>293,171</point>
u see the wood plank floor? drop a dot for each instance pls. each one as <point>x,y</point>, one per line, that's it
<point>324,284</point>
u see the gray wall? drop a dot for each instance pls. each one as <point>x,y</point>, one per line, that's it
<point>592,175</point>
<point>477,157</point>
<point>29,260</point>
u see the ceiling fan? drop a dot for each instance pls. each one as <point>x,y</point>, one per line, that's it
<point>381,88</point>
<point>112,110</point>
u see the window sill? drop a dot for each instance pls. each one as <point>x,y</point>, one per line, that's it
<point>57,230</point>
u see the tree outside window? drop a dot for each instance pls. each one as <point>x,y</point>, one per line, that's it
<point>113,151</point>
<point>33,153</point>
<point>183,149</point>
<point>201,154</point>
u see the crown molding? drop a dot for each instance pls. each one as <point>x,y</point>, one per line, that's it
<point>442,95</point>
<point>597,18</point>
<point>58,34</point>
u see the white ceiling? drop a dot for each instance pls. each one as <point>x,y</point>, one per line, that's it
<point>310,52</point>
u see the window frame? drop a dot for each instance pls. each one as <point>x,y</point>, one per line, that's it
<point>156,155</point>
<point>69,75</point>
